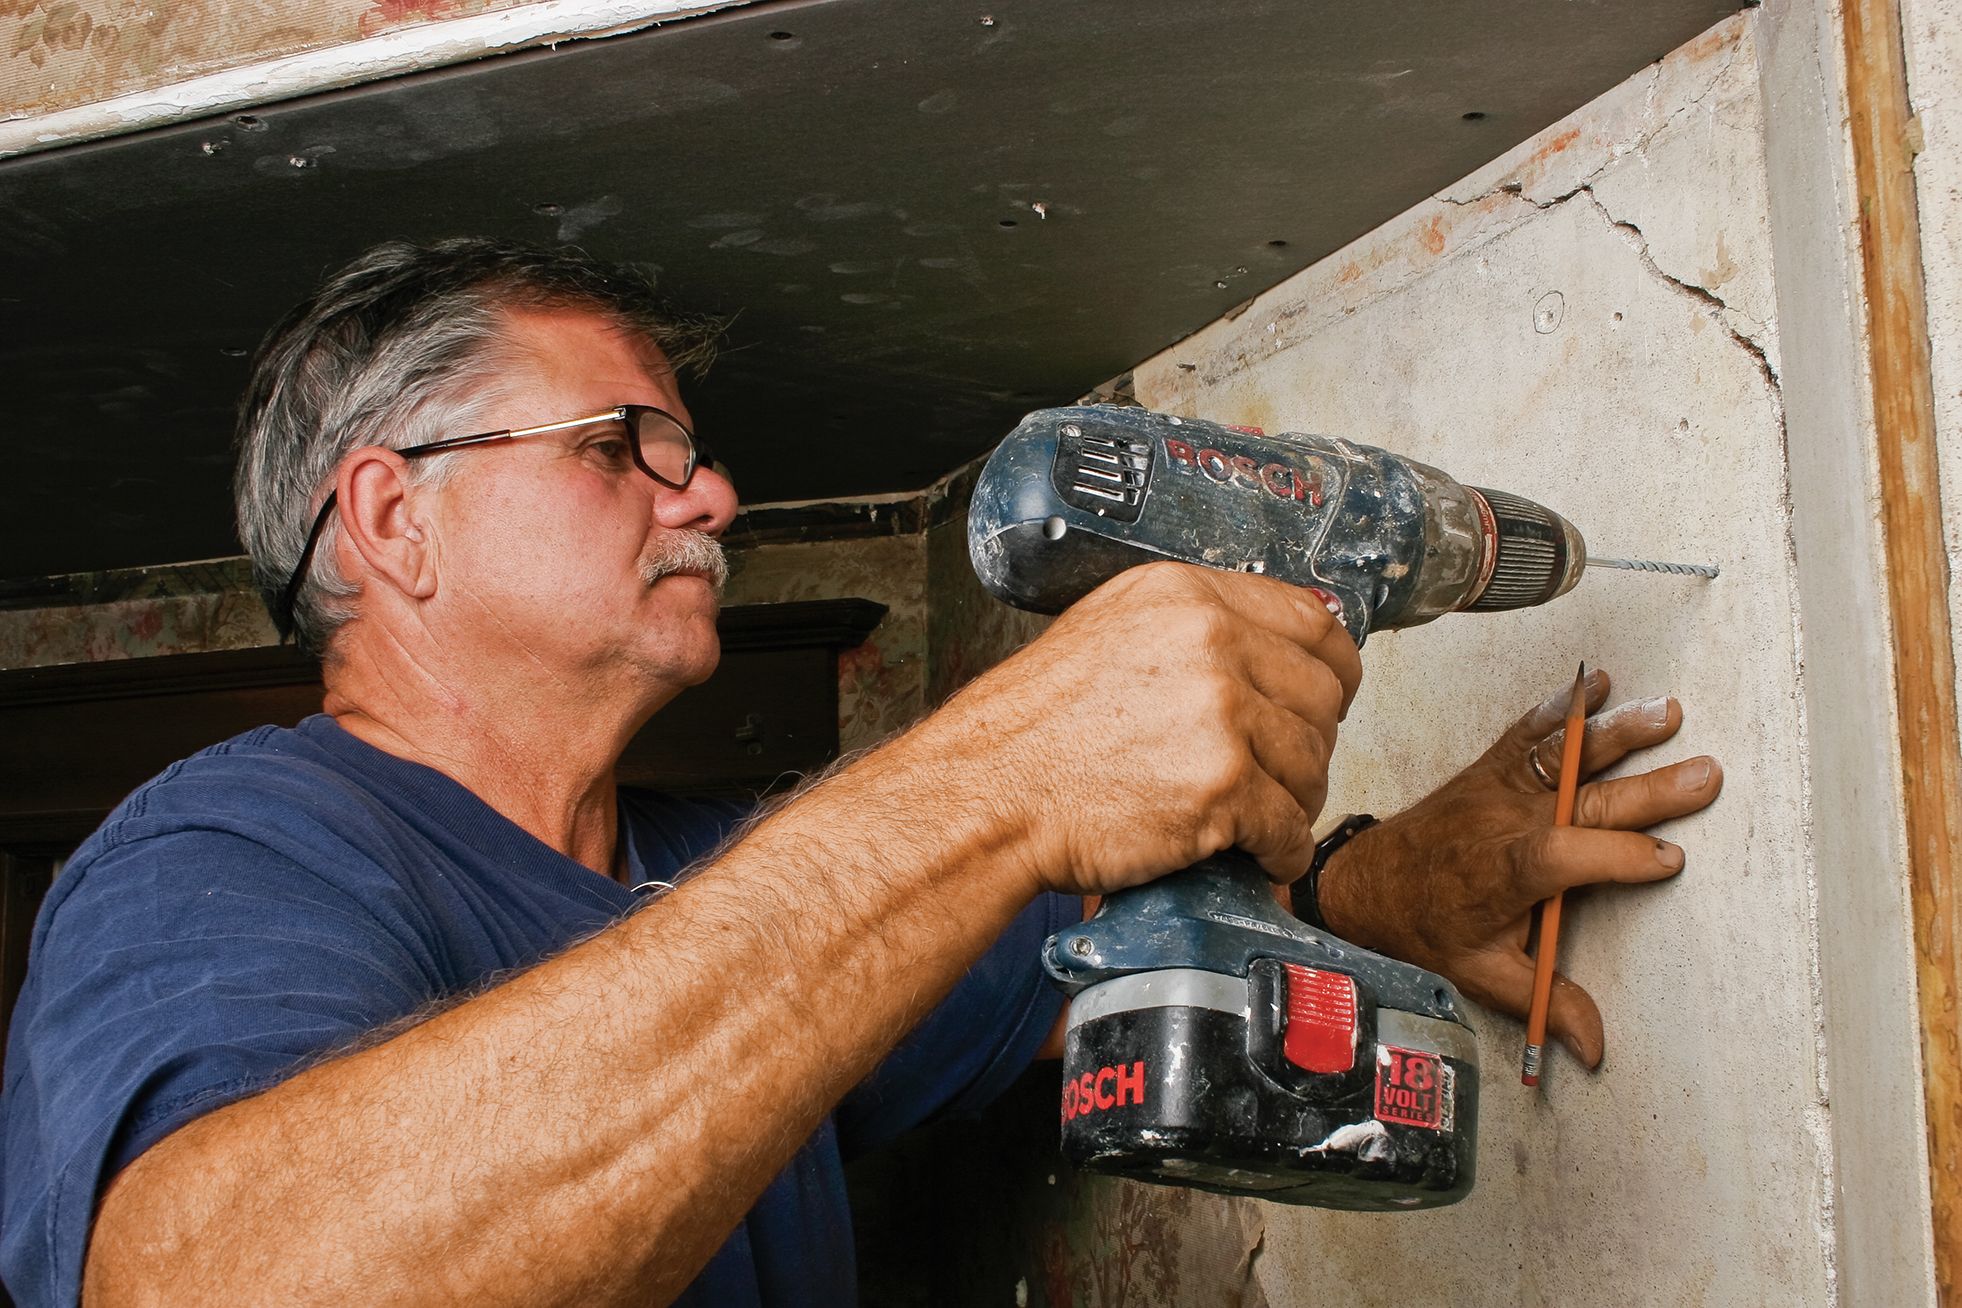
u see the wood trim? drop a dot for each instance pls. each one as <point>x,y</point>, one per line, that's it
<point>799,624</point>
<point>1917,578</point>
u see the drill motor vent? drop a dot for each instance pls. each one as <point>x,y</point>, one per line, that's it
<point>1103,473</point>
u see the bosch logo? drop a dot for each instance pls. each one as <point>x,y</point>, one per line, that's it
<point>1277,479</point>
<point>1107,1087</point>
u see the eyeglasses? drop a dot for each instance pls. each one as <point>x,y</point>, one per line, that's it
<point>659,444</point>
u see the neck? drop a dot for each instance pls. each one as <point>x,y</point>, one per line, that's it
<point>539,750</point>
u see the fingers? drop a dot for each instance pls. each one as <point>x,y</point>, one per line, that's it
<point>1504,981</point>
<point>1275,830</point>
<point>1230,687</point>
<point>1294,752</point>
<point>1613,735</point>
<point>1547,715</point>
<point>1574,1020</point>
<point>1294,614</point>
<point>1650,797</point>
<point>1291,679</point>
<point>1559,858</point>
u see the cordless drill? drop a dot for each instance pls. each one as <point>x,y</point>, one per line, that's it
<point>1215,1040</point>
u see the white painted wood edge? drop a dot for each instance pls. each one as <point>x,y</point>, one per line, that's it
<point>429,45</point>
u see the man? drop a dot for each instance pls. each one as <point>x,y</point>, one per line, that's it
<point>359,1012</point>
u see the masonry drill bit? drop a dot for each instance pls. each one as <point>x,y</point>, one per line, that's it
<point>1705,570</point>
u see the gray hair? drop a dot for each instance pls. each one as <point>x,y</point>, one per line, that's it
<point>396,349</point>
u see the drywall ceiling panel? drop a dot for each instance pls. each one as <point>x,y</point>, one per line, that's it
<point>928,218</point>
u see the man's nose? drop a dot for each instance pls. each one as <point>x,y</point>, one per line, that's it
<point>707,504</point>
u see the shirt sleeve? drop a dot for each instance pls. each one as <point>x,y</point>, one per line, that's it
<point>173,975</point>
<point>974,1044</point>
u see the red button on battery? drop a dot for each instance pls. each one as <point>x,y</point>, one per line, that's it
<point>1321,1029</point>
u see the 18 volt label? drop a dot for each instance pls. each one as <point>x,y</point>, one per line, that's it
<point>1414,1087</point>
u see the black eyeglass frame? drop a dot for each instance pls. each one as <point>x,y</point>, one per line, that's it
<point>624,414</point>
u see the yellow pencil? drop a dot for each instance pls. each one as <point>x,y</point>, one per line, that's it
<point>1563,816</point>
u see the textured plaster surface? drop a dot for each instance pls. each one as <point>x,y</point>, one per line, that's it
<point>1591,322</point>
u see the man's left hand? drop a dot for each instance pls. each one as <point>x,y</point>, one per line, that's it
<point>1449,884</point>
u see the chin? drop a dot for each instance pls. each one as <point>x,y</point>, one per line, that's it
<point>678,643</point>
<point>688,659</point>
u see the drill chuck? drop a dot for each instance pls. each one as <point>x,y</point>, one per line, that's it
<point>1075,495</point>
<point>1537,555</point>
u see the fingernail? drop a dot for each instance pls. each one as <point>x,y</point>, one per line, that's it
<point>1670,856</point>
<point>1330,600</point>
<point>1693,775</point>
<point>1573,1047</point>
<point>1652,712</point>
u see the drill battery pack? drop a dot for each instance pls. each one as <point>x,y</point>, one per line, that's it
<point>1217,1042</point>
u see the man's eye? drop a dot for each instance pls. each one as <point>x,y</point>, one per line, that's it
<point>612,449</point>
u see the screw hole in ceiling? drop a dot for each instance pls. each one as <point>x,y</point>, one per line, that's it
<point>547,210</point>
<point>1277,244</point>
<point>1474,116</point>
<point>248,123</point>
<point>783,36</point>
<point>1006,222</point>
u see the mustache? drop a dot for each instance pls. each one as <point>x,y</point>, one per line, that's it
<point>686,550</point>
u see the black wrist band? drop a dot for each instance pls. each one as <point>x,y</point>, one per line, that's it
<point>1307,896</point>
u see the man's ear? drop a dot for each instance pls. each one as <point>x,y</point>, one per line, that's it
<point>382,521</point>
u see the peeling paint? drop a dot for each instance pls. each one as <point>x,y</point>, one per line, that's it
<point>143,65</point>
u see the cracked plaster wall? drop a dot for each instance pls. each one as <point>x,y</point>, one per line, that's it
<point>1592,321</point>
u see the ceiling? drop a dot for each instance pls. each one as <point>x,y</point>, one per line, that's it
<point>929,217</point>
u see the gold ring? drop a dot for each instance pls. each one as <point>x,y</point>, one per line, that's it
<point>1539,769</point>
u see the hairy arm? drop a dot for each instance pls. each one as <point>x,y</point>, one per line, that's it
<point>591,1130</point>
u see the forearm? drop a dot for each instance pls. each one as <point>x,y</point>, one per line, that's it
<point>592,1129</point>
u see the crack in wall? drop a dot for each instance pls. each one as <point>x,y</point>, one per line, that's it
<point>1289,324</point>
<point>1253,1291</point>
<point>1618,150</point>
<point>1632,236</point>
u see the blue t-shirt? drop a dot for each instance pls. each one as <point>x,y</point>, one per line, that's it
<point>276,896</point>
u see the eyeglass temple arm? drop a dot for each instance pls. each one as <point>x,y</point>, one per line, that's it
<point>509,434</point>
<point>285,617</point>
